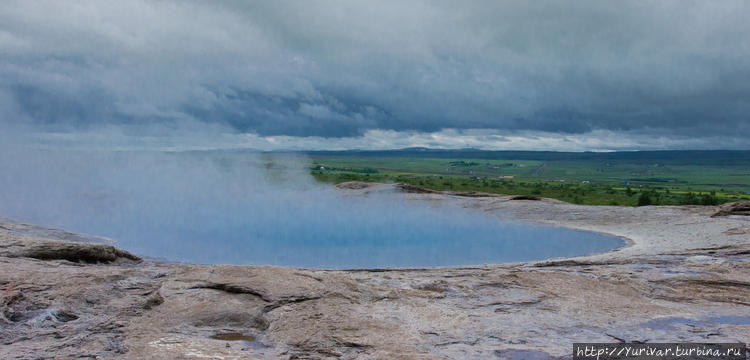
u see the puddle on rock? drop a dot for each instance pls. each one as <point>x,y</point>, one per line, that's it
<point>670,323</point>
<point>233,337</point>
<point>522,354</point>
<point>41,316</point>
<point>730,319</point>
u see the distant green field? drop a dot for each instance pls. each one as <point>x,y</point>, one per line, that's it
<point>631,178</point>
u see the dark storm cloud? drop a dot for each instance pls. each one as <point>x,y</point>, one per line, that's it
<point>337,69</point>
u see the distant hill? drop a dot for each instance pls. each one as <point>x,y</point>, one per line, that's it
<point>680,155</point>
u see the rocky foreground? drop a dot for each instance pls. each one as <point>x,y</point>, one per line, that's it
<point>684,277</point>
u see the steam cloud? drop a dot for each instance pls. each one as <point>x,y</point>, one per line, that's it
<point>245,208</point>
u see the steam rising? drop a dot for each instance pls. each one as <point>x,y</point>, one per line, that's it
<point>250,208</point>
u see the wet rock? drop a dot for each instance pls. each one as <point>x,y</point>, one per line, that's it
<point>522,354</point>
<point>526,197</point>
<point>153,300</point>
<point>407,188</point>
<point>75,252</point>
<point>355,185</point>
<point>40,316</point>
<point>233,336</point>
<point>473,194</point>
<point>734,208</point>
<point>64,316</point>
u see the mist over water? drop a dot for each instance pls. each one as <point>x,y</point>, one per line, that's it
<point>258,209</point>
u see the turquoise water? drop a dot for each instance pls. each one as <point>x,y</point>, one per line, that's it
<point>327,230</point>
<point>401,240</point>
<point>228,208</point>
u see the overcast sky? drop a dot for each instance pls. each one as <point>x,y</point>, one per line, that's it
<point>561,75</point>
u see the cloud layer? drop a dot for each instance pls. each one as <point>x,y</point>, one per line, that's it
<point>674,70</point>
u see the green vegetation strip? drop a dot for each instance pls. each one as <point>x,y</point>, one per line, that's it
<point>670,180</point>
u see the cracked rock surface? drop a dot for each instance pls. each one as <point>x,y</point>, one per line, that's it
<point>684,277</point>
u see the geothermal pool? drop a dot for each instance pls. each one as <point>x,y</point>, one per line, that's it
<point>395,240</point>
<point>234,208</point>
